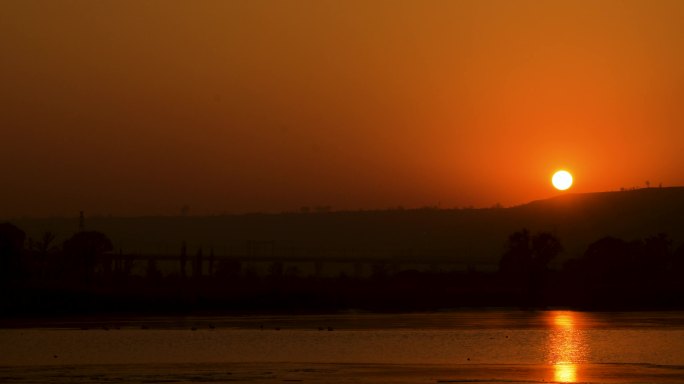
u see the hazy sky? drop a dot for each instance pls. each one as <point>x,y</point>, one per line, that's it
<point>141,107</point>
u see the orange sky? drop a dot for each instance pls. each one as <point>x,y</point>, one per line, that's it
<point>140,107</point>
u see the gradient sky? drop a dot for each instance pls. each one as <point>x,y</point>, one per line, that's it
<point>140,107</point>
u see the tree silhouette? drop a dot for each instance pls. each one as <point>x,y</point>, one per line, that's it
<point>615,272</point>
<point>525,262</point>
<point>545,248</point>
<point>608,259</point>
<point>43,251</point>
<point>45,244</point>
<point>85,251</point>
<point>614,261</point>
<point>655,255</point>
<point>517,258</point>
<point>11,250</point>
<point>677,263</point>
<point>525,253</point>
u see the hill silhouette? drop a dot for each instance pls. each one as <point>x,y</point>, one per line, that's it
<point>471,237</point>
<point>621,251</point>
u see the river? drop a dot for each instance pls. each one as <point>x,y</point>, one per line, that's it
<point>463,346</point>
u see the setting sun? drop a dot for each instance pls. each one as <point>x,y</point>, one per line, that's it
<point>562,180</point>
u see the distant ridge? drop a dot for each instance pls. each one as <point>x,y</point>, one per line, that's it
<point>474,237</point>
<point>631,214</point>
<point>664,195</point>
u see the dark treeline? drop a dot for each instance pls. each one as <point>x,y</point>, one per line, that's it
<point>85,274</point>
<point>611,274</point>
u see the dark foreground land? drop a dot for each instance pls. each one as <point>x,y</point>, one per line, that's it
<point>613,274</point>
<point>644,269</point>
<point>405,291</point>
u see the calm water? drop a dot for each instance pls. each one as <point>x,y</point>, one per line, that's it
<point>482,346</point>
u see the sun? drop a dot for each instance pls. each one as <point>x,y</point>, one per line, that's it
<point>562,180</point>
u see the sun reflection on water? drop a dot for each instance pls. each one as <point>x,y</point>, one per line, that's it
<point>563,320</point>
<point>566,346</point>
<point>565,373</point>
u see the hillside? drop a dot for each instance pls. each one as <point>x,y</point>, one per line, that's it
<point>469,236</point>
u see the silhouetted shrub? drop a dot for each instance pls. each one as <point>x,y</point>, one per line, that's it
<point>85,251</point>
<point>11,251</point>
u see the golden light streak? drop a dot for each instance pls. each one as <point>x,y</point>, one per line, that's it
<point>565,373</point>
<point>566,345</point>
